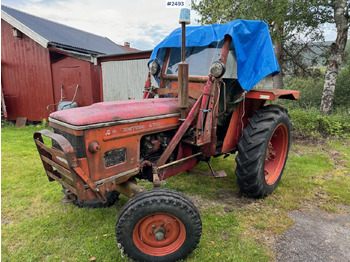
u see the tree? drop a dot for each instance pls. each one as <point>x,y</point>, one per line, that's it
<point>342,21</point>
<point>288,20</point>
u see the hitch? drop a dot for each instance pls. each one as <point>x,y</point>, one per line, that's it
<point>156,180</point>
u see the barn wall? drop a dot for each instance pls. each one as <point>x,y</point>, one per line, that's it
<point>25,76</point>
<point>123,80</point>
<point>95,82</point>
<point>71,72</point>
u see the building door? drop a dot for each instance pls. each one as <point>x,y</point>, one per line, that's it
<point>69,79</point>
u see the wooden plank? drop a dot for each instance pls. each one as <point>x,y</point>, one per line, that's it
<point>21,122</point>
<point>3,105</point>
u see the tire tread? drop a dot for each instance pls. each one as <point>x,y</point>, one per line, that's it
<point>252,147</point>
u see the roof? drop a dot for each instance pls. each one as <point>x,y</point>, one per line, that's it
<point>126,56</point>
<point>251,39</point>
<point>48,33</point>
<point>129,49</point>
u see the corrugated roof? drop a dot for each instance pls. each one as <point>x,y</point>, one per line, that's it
<point>64,36</point>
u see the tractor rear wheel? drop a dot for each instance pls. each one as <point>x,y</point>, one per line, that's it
<point>263,151</point>
<point>158,225</point>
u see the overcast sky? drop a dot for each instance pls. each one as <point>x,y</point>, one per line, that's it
<point>143,23</point>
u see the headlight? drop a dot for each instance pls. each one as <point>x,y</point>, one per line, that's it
<point>153,67</point>
<point>217,69</point>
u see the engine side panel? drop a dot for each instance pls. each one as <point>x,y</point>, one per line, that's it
<point>119,147</point>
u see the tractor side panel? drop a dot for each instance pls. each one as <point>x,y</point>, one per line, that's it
<point>238,121</point>
<point>233,131</point>
<point>119,147</point>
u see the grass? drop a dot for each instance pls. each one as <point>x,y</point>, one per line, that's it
<point>36,226</point>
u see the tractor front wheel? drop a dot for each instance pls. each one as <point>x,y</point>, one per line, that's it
<point>158,225</point>
<point>263,151</point>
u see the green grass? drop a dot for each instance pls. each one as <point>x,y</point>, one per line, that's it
<point>36,226</point>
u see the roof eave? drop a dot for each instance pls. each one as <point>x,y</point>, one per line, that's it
<point>73,48</point>
<point>140,52</point>
<point>24,29</point>
<point>85,57</point>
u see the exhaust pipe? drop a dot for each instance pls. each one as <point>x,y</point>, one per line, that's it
<point>183,66</point>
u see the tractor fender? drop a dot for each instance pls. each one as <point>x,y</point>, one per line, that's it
<point>273,94</point>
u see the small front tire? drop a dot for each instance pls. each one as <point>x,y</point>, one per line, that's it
<point>158,225</point>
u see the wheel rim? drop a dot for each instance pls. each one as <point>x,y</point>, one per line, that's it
<point>159,234</point>
<point>276,153</point>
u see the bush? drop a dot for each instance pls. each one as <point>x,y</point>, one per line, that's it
<point>311,89</point>
<point>311,123</point>
<point>342,89</point>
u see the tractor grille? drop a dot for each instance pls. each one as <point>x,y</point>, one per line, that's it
<point>115,157</point>
<point>77,143</point>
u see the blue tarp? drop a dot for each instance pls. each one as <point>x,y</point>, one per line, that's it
<point>251,40</point>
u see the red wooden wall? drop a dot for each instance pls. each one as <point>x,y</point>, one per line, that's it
<point>25,76</point>
<point>71,72</point>
<point>31,80</point>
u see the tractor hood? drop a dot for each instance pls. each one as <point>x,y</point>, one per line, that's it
<point>117,112</point>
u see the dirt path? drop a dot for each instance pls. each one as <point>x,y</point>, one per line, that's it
<point>315,236</point>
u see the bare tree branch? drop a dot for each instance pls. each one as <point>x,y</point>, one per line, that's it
<point>301,66</point>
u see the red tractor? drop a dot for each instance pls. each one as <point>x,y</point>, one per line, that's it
<point>208,102</point>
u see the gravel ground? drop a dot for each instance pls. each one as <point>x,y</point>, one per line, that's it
<point>315,236</point>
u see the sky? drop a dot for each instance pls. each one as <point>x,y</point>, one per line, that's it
<point>142,23</point>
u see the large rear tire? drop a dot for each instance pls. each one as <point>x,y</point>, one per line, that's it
<point>263,151</point>
<point>158,225</point>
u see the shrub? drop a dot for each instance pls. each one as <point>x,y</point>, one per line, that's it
<point>342,89</point>
<point>311,123</point>
<point>311,89</point>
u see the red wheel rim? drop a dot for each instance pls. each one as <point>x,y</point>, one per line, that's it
<point>276,154</point>
<point>159,234</point>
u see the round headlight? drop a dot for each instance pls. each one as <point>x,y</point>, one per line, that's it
<point>217,69</point>
<point>153,67</point>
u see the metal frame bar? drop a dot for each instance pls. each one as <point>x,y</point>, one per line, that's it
<point>180,160</point>
<point>179,134</point>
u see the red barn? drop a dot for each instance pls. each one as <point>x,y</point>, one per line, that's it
<point>39,56</point>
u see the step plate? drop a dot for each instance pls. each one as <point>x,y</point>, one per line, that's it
<point>220,173</point>
<point>217,174</point>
